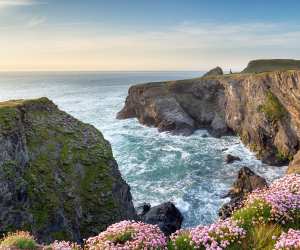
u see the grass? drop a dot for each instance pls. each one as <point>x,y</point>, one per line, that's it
<point>258,212</point>
<point>183,242</point>
<point>272,108</point>
<point>19,240</point>
<point>262,236</point>
<point>122,237</point>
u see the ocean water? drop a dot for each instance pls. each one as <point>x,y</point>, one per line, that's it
<point>159,167</point>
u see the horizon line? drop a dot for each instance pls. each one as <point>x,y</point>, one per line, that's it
<point>84,70</point>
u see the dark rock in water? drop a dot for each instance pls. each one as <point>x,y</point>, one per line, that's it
<point>214,72</point>
<point>294,166</point>
<point>58,176</point>
<point>246,182</point>
<point>262,109</point>
<point>143,209</point>
<point>166,216</point>
<point>231,158</point>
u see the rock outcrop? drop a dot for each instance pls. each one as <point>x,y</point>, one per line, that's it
<point>246,182</point>
<point>166,216</point>
<point>231,158</point>
<point>294,166</point>
<point>58,177</point>
<point>214,72</point>
<point>258,66</point>
<point>263,109</point>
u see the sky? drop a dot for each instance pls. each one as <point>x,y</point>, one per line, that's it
<point>145,34</point>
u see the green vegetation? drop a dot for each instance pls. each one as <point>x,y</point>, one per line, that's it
<point>19,240</point>
<point>262,236</point>
<point>258,66</point>
<point>283,157</point>
<point>183,242</point>
<point>122,237</point>
<point>272,108</point>
<point>258,212</point>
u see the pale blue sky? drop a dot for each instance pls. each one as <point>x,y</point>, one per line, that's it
<point>145,35</point>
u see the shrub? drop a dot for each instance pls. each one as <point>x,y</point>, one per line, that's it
<point>258,211</point>
<point>128,235</point>
<point>280,203</point>
<point>289,241</point>
<point>19,240</point>
<point>224,234</point>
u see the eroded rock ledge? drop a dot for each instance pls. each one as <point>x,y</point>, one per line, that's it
<point>263,109</point>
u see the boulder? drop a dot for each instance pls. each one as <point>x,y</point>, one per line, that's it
<point>143,209</point>
<point>58,177</point>
<point>166,216</point>
<point>217,71</point>
<point>246,182</point>
<point>231,158</point>
<point>294,166</point>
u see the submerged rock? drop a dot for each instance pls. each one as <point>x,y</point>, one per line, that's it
<point>294,166</point>
<point>263,109</point>
<point>217,71</point>
<point>58,176</point>
<point>231,158</point>
<point>166,216</point>
<point>246,182</point>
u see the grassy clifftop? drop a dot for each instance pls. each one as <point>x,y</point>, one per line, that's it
<point>258,66</point>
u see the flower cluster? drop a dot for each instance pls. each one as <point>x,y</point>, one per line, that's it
<point>127,235</point>
<point>289,241</point>
<point>63,245</point>
<point>283,196</point>
<point>216,236</point>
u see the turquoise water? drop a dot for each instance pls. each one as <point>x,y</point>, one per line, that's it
<point>190,171</point>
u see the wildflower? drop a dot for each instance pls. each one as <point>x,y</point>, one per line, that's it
<point>289,240</point>
<point>127,235</point>
<point>216,236</point>
<point>64,245</point>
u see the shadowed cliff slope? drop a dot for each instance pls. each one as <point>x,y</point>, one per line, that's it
<point>58,177</point>
<point>263,109</point>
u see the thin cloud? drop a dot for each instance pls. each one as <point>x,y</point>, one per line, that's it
<point>14,3</point>
<point>36,21</point>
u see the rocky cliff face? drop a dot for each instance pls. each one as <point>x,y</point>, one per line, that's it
<point>294,166</point>
<point>263,109</point>
<point>58,177</point>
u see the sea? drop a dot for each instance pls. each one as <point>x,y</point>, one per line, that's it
<point>159,167</point>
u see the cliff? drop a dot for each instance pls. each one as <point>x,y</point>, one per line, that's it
<point>263,109</point>
<point>58,177</point>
